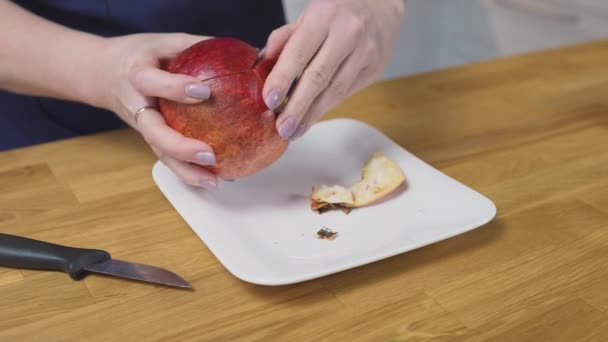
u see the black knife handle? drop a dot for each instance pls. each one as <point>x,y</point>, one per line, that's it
<point>20,252</point>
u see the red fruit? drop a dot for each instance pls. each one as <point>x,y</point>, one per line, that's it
<point>234,121</point>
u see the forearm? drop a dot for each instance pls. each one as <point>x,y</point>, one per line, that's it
<point>41,58</point>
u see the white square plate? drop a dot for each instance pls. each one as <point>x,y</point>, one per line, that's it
<point>261,227</point>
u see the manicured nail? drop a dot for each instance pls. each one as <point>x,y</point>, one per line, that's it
<point>299,131</point>
<point>261,53</point>
<point>209,185</point>
<point>286,129</point>
<point>205,158</point>
<point>198,91</point>
<point>274,98</point>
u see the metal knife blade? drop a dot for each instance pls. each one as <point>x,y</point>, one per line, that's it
<point>21,252</point>
<point>141,272</point>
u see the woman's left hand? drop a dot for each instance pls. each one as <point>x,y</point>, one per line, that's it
<point>334,49</point>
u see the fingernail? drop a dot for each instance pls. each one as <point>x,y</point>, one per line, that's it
<point>206,158</point>
<point>274,98</point>
<point>209,185</point>
<point>299,131</point>
<point>198,91</point>
<point>286,129</point>
<point>261,53</point>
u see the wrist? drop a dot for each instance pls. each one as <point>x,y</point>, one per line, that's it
<point>89,74</point>
<point>106,83</point>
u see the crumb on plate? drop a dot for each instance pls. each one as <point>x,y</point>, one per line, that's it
<point>326,233</point>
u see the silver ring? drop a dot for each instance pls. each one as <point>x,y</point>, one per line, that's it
<point>141,110</point>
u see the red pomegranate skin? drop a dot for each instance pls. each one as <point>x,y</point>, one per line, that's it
<point>235,120</point>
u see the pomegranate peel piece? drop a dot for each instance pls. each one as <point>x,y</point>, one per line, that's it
<point>380,176</point>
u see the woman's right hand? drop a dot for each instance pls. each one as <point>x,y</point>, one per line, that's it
<point>132,79</point>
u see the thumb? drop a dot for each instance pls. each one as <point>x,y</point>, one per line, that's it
<point>154,82</point>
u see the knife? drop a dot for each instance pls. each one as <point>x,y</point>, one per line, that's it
<point>21,252</point>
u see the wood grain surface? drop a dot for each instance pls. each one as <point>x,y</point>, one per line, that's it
<point>529,132</point>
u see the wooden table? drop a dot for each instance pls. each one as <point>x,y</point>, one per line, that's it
<point>529,132</point>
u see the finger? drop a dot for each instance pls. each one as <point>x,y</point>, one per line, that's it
<point>351,75</point>
<point>277,40</point>
<point>181,88</point>
<point>190,173</point>
<point>371,71</point>
<point>298,51</point>
<point>363,80</point>
<point>319,108</point>
<point>171,143</point>
<point>342,40</point>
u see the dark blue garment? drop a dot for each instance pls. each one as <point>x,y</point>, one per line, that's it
<point>26,120</point>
